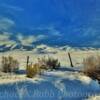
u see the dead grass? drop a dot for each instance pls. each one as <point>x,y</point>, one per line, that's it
<point>92,67</point>
<point>42,65</point>
<point>33,70</point>
<point>48,63</point>
<point>9,64</point>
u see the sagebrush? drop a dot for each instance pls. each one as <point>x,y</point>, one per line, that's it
<point>9,64</point>
<point>92,67</point>
<point>42,65</point>
<point>49,63</point>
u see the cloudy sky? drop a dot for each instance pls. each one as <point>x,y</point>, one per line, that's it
<point>52,22</point>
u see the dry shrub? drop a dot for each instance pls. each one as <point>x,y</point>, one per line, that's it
<point>41,65</point>
<point>33,70</point>
<point>9,64</point>
<point>48,63</point>
<point>92,67</point>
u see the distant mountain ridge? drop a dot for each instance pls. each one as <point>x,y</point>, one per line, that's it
<point>42,48</point>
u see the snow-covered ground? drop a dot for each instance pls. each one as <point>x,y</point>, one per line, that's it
<point>64,84</point>
<point>56,85</point>
<point>62,55</point>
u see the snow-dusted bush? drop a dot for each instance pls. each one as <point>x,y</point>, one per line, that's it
<point>9,64</point>
<point>48,63</point>
<point>92,67</point>
<point>32,70</point>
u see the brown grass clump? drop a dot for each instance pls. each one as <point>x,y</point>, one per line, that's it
<point>92,67</point>
<point>33,70</point>
<point>48,63</point>
<point>42,65</point>
<point>9,64</point>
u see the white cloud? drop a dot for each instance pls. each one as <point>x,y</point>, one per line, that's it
<point>42,28</point>
<point>55,32</point>
<point>5,39</point>
<point>90,31</point>
<point>6,23</point>
<point>95,43</point>
<point>11,7</point>
<point>28,40</point>
<point>50,29</point>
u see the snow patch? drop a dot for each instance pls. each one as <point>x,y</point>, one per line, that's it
<point>94,98</point>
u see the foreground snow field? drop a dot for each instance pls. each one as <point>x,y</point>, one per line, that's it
<point>64,84</point>
<point>56,85</point>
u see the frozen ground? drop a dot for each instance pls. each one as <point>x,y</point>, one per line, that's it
<point>56,85</point>
<point>64,84</point>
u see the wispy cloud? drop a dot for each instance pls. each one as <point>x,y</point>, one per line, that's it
<point>90,31</point>
<point>5,39</point>
<point>55,32</point>
<point>11,7</point>
<point>50,29</point>
<point>28,40</point>
<point>6,23</point>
